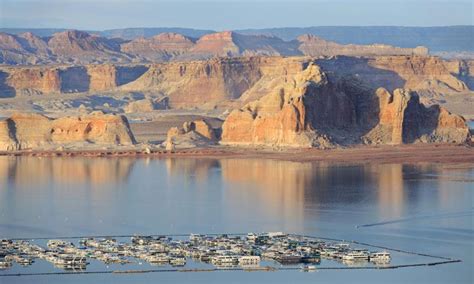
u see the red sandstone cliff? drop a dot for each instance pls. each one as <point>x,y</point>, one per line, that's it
<point>314,111</point>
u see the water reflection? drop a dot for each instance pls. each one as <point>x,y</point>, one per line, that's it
<point>275,188</point>
<point>202,194</point>
<point>391,190</point>
<point>77,196</point>
<point>192,169</point>
<point>63,170</point>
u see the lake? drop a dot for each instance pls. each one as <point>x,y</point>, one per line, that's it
<point>425,208</point>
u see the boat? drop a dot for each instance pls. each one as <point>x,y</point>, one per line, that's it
<point>382,256</point>
<point>276,234</point>
<point>308,268</point>
<point>21,260</point>
<point>178,261</point>
<point>356,255</point>
<point>311,258</point>
<point>5,264</point>
<point>288,259</point>
<point>158,259</point>
<point>71,260</point>
<point>196,237</point>
<point>247,260</point>
<point>224,260</point>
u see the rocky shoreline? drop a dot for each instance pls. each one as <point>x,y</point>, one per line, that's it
<point>383,154</point>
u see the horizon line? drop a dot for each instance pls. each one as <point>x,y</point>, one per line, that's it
<point>241,29</point>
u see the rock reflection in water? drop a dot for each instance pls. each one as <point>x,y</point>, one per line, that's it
<point>294,193</point>
<point>265,189</point>
<point>64,170</point>
<point>201,195</point>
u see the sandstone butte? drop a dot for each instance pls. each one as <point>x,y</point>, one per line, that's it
<point>35,131</point>
<point>311,110</point>
<point>196,133</point>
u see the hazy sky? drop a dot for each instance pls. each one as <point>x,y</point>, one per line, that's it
<point>231,14</point>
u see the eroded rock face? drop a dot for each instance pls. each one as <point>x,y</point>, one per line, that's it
<point>188,84</point>
<point>199,82</point>
<point>42,79</point>
<point>231,44</point>
<point>159,48</point>
<point>312,111</point>
<point>421,73</point>
<point>403,119</point>
<point>198,133</point>
<point>34,131</point>
<point>146,105</point>
<point>73,79</point>
<point>74,46</point>
<point>315,46</point>
<point>279,118</point>
<point>216,44</point>
<point>207,83</point>
<point>82,47</point>
<point>102,77</point>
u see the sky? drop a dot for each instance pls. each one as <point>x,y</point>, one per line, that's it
<point>231,14</point>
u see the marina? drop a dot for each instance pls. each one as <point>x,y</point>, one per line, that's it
<point>270,251</point>
<point>392,208</point>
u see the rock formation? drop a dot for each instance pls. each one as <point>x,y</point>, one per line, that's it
<point>277,119</point>
<point>231,44</point>
<point>12,51</point>
<point>188,84</point>
<point>312,110</point>
<point>34,131</point>
<point>217,44</point>
<point>146,105</point>
<point>102,77</point>
<point>315,46</point>
<point>434,79</point>
<point>192,134</point>
<point>73,79</point>
<point>162,47</point>
<point>78,47</point>
<point>40,79</point>
<point>202,83</point>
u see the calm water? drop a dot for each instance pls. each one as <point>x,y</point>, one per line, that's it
<point>426,208</point>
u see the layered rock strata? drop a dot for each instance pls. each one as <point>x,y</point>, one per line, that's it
<point>313,111</point>
<point>315,46</point>
<point>79,47</point>
<point>34,131</point>
<point>198,133</point>
<point>206,83</point>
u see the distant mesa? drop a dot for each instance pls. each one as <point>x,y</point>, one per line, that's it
<point>162,47</point>
<point>312,45</point>
<point>79,47</point>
